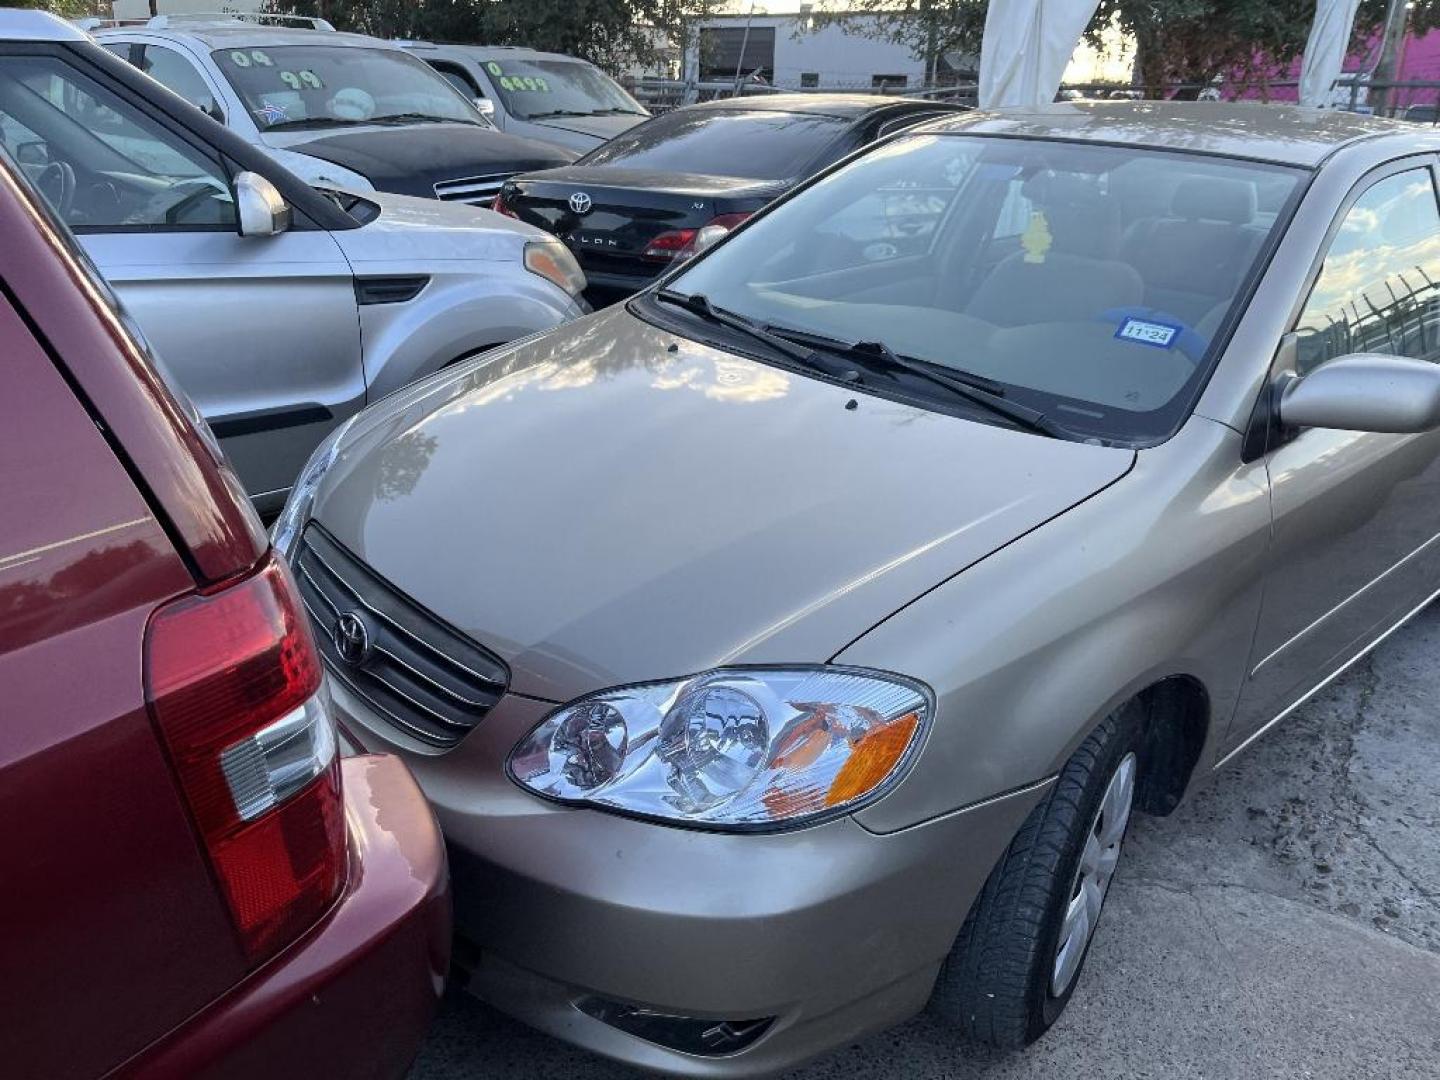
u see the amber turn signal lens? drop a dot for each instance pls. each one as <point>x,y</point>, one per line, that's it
<point>875,756</point>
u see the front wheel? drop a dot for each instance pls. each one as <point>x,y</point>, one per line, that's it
<point>1016,960</point>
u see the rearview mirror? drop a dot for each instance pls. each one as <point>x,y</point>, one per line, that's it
<point>261,207</point>
<point>1365,392</point>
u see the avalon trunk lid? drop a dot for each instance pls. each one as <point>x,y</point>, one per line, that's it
<point>596,509</point>
<point>610,217</point>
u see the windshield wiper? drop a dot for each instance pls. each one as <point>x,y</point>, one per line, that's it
<point>418,118</point>
<point>699,304</point>
<point>557,112</point>
<point>313,122</point>
<point>973,388</point>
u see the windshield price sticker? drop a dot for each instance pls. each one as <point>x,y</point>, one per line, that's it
<point>524,82</point>
<point>1157,335</point>
<point>301,80</point>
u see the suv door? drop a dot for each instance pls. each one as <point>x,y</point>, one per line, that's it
<point>263,332</point>
<point>1356,514</point>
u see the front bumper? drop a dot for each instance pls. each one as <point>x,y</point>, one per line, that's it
<point>832,931</point>
<point>355,996</point>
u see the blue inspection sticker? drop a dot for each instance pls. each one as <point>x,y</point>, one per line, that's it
<point>1157,335</point>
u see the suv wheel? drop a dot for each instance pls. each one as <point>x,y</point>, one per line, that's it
<point>1016,960</point>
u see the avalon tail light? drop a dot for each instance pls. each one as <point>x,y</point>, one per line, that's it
<point>666,245</point>
<point>717,229</point>
<point>235,687</point>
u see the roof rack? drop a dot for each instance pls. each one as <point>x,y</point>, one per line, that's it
<point>262,18</point>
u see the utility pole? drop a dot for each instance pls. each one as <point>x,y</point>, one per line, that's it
<point>932,44</point>
<point>1392,44</point>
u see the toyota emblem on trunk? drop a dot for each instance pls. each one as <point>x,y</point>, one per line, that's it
<point>352,638</point>
<point>580,202</point>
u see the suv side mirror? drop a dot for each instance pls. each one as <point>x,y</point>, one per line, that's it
<point>486,107</point>
<point>1365,392</point>
<point>34,152</point>
<point>262,209</point>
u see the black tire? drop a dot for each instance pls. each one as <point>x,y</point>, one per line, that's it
<point>995,985</point>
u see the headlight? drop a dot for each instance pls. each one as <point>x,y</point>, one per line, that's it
<point>552,260</point>
<point>297,507</point>
<point>738,748</point>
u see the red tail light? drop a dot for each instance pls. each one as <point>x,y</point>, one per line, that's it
<point>667,245</point>
<point>234,684</point>
<point>500,207</point>
<point>684,243</point>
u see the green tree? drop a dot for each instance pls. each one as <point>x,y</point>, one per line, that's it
<point>611,33</point>
<point>1177,41</point>
<point>66,9</point>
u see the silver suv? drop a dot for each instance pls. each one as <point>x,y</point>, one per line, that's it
<point>281,310</point>
<point>338,110</point>
<point>551,97</point>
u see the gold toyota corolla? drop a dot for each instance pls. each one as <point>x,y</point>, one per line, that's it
<point>789,647</point>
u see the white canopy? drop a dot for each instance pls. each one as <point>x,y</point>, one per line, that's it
<point>1026,46</point>
<point>1325,49</point>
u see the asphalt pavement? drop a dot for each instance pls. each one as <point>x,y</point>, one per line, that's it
<point>1284,923</point>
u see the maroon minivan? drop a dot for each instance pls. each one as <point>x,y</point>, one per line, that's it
<point>193,880</point>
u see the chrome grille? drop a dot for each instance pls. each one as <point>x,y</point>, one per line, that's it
<point>417,672</point>
<point>472,189</point>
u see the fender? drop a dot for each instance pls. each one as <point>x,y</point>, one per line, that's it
<point>1158,575</point>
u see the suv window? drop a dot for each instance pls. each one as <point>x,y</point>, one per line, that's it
<point>457,77</point>
<point>172,70</point>
<point>1377,289</point>
<point>101,163</point>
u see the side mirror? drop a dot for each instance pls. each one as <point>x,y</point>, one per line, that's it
<point>1365,392</point>
<point>486,107</point>
<point>33,153</point>
<point>262,209</point>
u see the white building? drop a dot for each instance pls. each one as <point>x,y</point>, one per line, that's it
<point>790,49</point>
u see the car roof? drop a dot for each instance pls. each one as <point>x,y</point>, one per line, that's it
<point>841,105</point>
<point>1287,134</point>
<point>514,52</point>
<point>238,34</point>
<point>29,24</point>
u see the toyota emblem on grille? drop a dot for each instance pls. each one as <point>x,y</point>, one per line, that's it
<point>352,638</point>
<point>580,202</point>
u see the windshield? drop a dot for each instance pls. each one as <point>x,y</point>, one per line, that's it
<point>535,89</point>
<point>299,86</point>
<point>1087,282</point>
<point>723,142</point>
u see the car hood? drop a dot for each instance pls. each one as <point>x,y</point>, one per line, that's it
<point>422,231</point>
<point>411,160</point>
<point>598,509</point>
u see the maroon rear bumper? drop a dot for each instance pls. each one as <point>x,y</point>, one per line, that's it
<point>355,995</point>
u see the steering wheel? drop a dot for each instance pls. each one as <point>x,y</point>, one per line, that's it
<point>56,182</point>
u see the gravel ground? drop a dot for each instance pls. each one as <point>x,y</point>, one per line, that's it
<point>1284,923</point>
